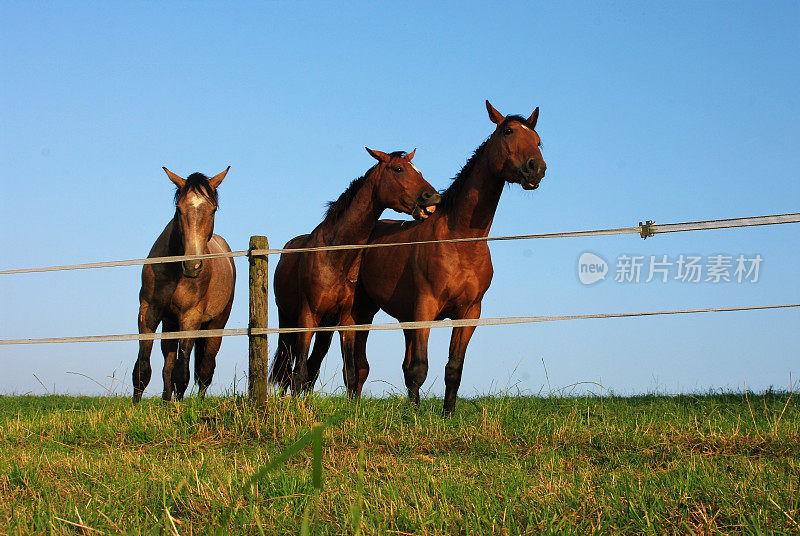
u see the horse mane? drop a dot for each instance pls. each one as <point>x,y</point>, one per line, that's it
<point>454,190</point>
<point>198,183</point>
<point>337,208</point>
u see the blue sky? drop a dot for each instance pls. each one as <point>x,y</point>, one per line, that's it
<point>664,111</point>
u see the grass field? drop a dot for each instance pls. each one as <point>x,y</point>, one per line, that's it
<point>724,463</point>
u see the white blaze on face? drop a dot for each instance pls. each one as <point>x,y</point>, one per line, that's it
<point>195,199</point>
<point>526,128</point>
<point>194,237</point>
<point>415,168</point>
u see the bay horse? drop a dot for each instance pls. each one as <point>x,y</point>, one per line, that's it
<point>188,295</point>
<point>316,288</point>
<point>436,281</point>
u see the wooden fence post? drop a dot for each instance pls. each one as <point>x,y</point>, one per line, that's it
<point>259,291</point>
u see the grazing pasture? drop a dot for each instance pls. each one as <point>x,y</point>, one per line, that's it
<point>716,463</point>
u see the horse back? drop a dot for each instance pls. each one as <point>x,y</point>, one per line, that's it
<point>284,282</point>
<point>223,274</point>
<point>455,275</point>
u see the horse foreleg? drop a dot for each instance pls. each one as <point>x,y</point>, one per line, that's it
<point>180,374</point>
<point>169,347</point>
<point>415,364</point>
<point>205,361</point>
<point>149,319</point>
<point>455,362</point>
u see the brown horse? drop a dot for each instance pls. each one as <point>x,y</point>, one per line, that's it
<point>437,281</point>
<point>186,296</point>
<point>316,289</point>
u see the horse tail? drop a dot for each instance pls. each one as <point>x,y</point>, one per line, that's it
<point>281,372</point>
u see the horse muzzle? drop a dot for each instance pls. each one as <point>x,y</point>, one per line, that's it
<point>530,184</point>
<point>426,205</point>
<point>532,174</point>
<point>192,268</point>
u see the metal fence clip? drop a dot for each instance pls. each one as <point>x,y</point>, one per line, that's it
<point>646,229</point>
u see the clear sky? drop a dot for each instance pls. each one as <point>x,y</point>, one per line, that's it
<point>667,111</point>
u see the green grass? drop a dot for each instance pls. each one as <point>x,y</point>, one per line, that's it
<point>725,463</point>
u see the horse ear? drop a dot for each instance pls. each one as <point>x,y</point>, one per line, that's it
<point>494,115</point>
<point>217,179</point>
<point>410,156</point>
<point>378,155</point>
<point>534,117</point>
<point>178,180</point>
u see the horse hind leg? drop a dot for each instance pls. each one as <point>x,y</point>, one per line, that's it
<point>300,371</point>
<point>361,363</point>
<point>363,312</point>
<point>280,373</point>
<point>415,364</point>
<point>322,343</point>
<point>306,319</point>
<point>148,322</point>
<point>350,371</point>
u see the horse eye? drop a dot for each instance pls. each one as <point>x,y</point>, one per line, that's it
<point>398,169</point>
<point>508,131</point>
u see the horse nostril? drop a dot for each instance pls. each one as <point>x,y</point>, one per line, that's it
<point>532,164</point>
<point>426,196</point>
<point>192,266</point>
<point>429,198</point>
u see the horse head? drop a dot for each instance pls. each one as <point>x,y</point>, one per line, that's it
<point>400,185</point>
<point>515,148</point>
<point>196,202</point>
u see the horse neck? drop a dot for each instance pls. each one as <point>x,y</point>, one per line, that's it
<point>473,210</point>
<point>175,243</point>
<point>168,244</point>
<point>356,223</point>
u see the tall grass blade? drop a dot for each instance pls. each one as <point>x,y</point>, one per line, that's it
<point>305,527</point>
<point>278,461</point>
<point>316,468</point>
<point>355,510</point>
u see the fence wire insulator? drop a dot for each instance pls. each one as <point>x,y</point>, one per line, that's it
<point>647,229</point>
